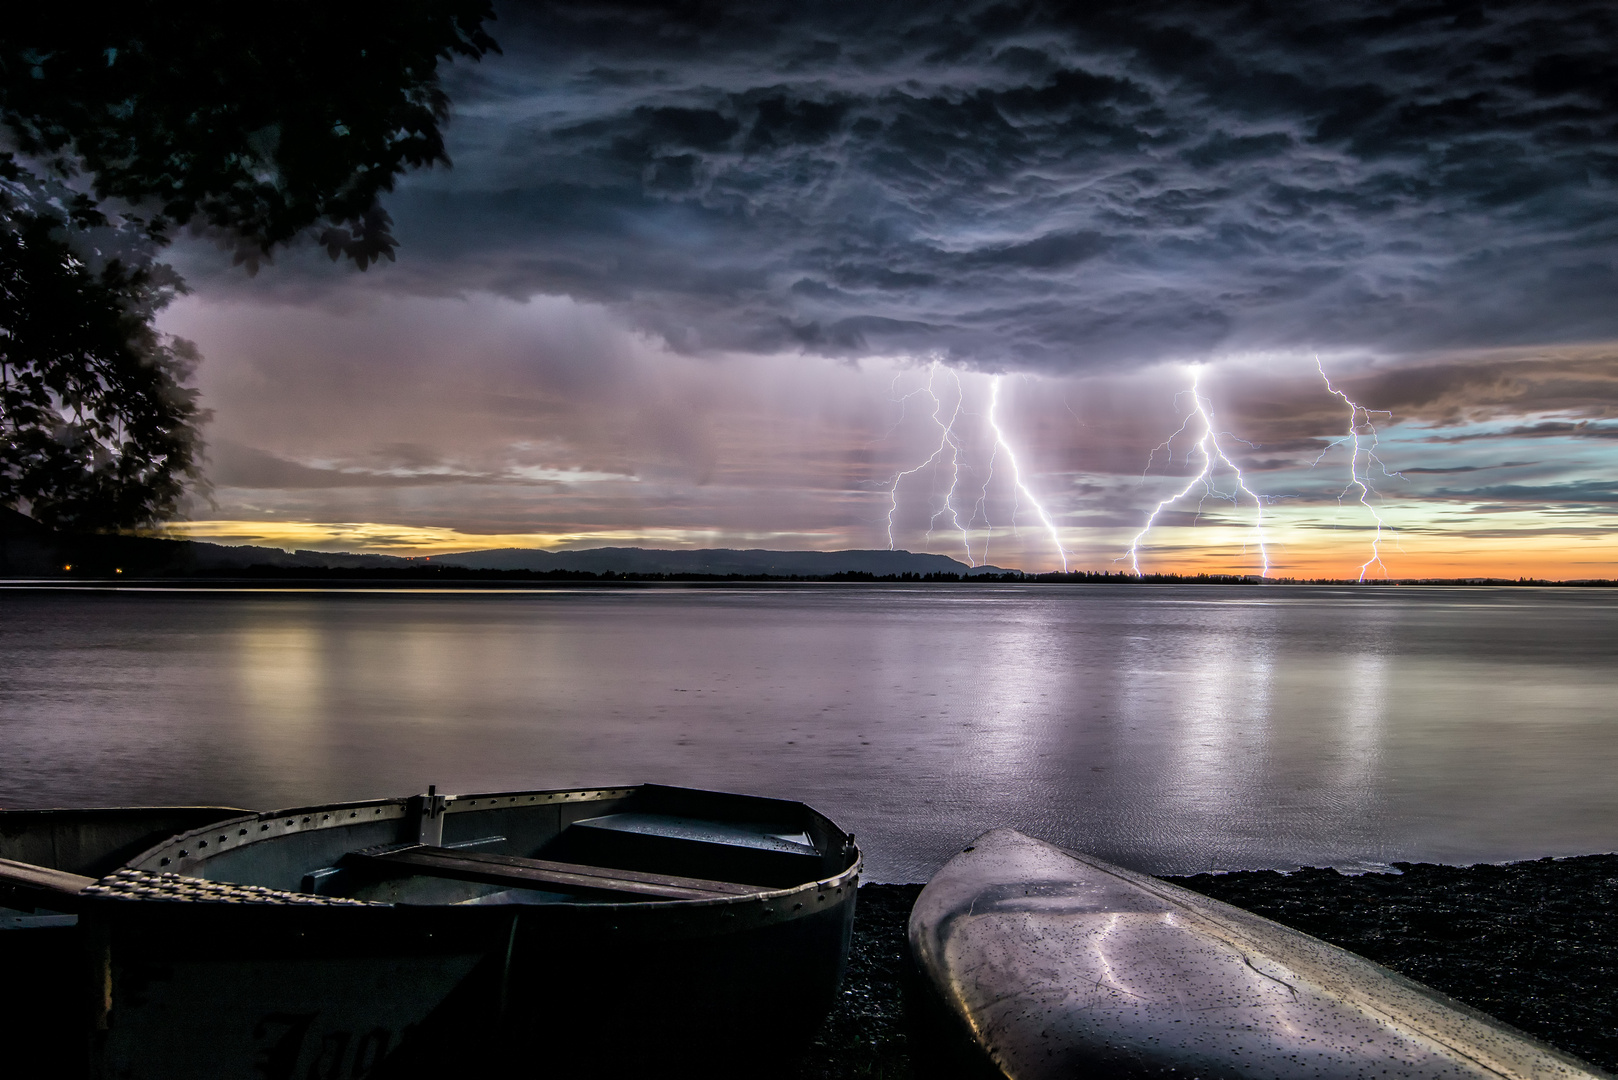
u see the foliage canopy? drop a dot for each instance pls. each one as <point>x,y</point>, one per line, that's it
<point>260,121</point>
<point>96,427</point>
<point>257,125</point>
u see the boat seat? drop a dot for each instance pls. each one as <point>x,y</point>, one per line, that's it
<point>770,854</point>
<point>515,872</point>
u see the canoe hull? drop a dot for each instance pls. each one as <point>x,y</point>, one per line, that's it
<point>1052,964</point>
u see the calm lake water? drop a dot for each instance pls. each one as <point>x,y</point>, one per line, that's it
<point>1170,728</point>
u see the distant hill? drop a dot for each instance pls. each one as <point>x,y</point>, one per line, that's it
<point>719,561</point>
<point>28,549</point>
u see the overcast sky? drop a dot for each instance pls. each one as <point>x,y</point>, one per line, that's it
<point>727,277</point>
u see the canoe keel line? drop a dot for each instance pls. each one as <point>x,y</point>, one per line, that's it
<point>527,933</point>
<point>1037,963</point>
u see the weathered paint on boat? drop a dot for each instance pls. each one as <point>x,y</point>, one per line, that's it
<point>1049,963</point>
<point>351,940</point>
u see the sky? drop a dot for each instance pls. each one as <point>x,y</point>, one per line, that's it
<point>1330,287</point>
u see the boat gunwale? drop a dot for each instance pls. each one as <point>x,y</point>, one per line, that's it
<point>22,812</point>
<point>301,820</point>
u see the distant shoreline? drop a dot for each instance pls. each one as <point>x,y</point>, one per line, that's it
<point>31,553</point>
<point>456,576</point>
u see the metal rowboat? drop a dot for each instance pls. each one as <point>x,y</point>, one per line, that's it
<point>630,927</point>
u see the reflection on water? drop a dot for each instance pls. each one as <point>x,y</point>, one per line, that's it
<point>1171,728</point>
<point>1219,742</point>
<point>280,675</point>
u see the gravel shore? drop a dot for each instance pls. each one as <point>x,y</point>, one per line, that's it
<point>1532,943</point>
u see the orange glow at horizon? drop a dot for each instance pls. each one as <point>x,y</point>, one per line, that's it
<point>1545,558</point>
<point>417,541</point>
<point>1298,554</point>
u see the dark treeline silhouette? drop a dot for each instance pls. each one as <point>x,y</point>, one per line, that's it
<point>127,122</point>
<point>28,550</point>
<point>430,574</point>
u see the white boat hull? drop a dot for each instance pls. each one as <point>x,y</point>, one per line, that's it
<point>1053,964</point>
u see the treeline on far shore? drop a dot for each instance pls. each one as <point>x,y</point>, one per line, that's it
<point>437,573</point>
<point>29,551</point>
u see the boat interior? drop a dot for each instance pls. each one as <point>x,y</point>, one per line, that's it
<point>610,845</point>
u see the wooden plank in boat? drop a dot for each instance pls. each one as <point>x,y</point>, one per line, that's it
<point>28,876</point>
<point>521,873</point>
<point>773,854</point>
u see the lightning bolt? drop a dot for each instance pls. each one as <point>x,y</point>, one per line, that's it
<point>947,441</point>
<point>1212,454</point>
<point>1360,479</point>
<point>981,507</point>
<point>1018,487</point>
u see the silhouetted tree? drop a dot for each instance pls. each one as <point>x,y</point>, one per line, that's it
<point>255,124</point>
<point>96,427</point>
<point>260,121</point>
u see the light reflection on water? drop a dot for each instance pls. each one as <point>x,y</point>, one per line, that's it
<point>1170,728</point>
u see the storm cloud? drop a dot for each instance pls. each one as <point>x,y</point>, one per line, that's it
<point>1052,188</point>
<point>748,274</point>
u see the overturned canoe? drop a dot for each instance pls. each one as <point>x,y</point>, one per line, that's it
<point>517,931</point>
<point>1046,963</point>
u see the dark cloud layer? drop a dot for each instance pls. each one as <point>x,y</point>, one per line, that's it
<point>1041,187</point>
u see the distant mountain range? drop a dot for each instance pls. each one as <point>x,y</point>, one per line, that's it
<point>29,549</point>
<point>720,561</point>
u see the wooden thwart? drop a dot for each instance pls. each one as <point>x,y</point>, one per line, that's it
<point>29,876</point>
<point>520,873</point>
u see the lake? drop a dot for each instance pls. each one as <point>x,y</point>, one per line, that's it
<point>1171,728</point>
